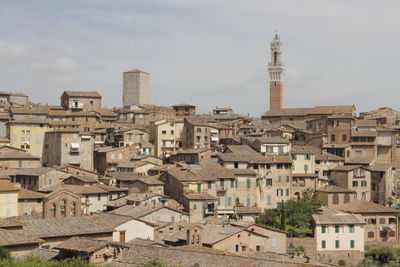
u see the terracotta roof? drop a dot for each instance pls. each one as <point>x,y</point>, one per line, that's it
<point>334,189</point>
<point>29,194</point>
<point>80,244</point>
<point>301,150</point>
<point>347,167</point>
<point>318,110</point>
<point>199,196</point>
<point>191,151</point>
<point>241,149</point>
<point>271,140</point>
<point>364,206</point>
<point>72,226</point>
<point>247,210</point>
<point>11,238</point>
<point>142,210</point>
<point>82,94</point>
<point>183,105</point>
<point>152,180</point>
<point>124,176</point>
<point>380,167</point>
<point>7,186</point>
<point>29,120</point>
<point>242,157</point>
<point>10,155</point>
<point>43,253</point>
<point>134,164</point>
<point>334,216</point>
<point>10,222</point>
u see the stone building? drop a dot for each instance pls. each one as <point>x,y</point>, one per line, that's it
<point>183,110</point>
<point>81,100</point>
<point>354,177</point>
<point>68,147</point>
<point>136,88</point>
<point>62,203</point>
<point>381,221</point>
<point>11,157</point>
<point>8,199</point>
<point>167,136</point>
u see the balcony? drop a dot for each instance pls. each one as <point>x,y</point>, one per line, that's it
<point>298,185</point>
<point>76,105</point>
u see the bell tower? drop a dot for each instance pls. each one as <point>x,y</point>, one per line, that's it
<point>276,73</point>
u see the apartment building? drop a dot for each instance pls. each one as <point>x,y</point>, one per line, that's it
<point>199,134</point>
<point>303,170</point>
<point>339,236</point>
<point>167,136</point>
<point>81,101</point>
<point>68,147</point>
<point>28,134</point>
<point>354,177</point>
<point>8,199</point>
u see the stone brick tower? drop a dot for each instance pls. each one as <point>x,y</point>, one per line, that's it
<point>276,72</point>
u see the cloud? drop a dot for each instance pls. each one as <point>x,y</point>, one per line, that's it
<point>211,52</point>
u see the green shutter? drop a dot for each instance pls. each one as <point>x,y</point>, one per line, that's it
<point>352,243</point>
<point>323,244</point>
<point>248,182</point>
<point>337,244</point>
<point>323,229</point>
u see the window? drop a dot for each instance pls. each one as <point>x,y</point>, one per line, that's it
<point>98,197</point>
<point>351,228</point>
<point>371,234</point>
<point>344,138</point>
<point>268,182</point>
<point>236,165</point>
<point>222,183</point>
<point>229,201</point>
<point>22,139</point>
<point>279,179</point>
<point>306,168</point>
<point>337,244</point>
<point>120,156</point>
<point>22,131</point>
<point>287,179</point>
<point>218,201</point>
<point>20,163</point>
<point>363,183</point>
<point>323,229</point>
<point>255,166</point>
<point>333,138</point>
<point>248,202</point>
<point>198,188</point>
<point>248,183</point>
<point>195,206</point>
<point>232,183</point>
<point>355,183</point>
<point>287,192</point>
<point>352,243</point>
<point>269,201</point>
<point>164,132</point>
<point>382,221</point>
<point>307,157</point>
<point>335,123</point>
<point>209,184</point>
<point>280,149</point>
<point>198,130</point>
<point>294,157</point>
<point>337,228</point>
<point>172,131</point>
<point>323,244</point>
<point>363,195</point>
<point>335,199</point>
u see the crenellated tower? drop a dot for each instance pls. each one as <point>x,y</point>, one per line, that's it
<point>276,72</point>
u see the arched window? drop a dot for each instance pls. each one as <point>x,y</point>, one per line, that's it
<point>364,195</point>
<point>355,195</point>
<point>53,210</point>
<point>346,198</point>
<point>371,234</point>
<point>335,199</point>
<point>63,208</point>
<point>73,209</point>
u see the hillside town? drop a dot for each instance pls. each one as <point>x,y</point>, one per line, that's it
<point>124,186</point>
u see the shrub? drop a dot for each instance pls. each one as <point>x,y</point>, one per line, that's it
<point>4,254</point>
<point>342,263</point>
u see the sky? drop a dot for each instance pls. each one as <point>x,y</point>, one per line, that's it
<point>208,53</point>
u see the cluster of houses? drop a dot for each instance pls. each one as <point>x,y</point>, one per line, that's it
<point>140,182</point>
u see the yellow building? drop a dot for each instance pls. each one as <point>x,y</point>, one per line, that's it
<point>8,199</point>
<point>28,134</point>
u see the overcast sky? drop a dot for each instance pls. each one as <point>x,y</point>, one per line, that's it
<point>207,53</point>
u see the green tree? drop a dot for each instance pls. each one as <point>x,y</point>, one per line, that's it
<point>294,216</point>
<point>4,254</point>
